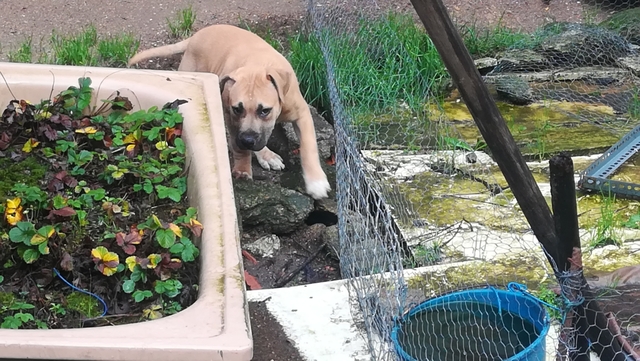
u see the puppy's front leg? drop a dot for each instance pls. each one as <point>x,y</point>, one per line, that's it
<point>314,178</point>
<point>241,162</point>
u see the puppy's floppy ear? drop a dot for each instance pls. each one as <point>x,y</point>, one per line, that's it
<point>224,82</point>
<point>281,80</point>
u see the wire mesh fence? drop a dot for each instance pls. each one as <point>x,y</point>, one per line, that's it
<point>417,187</point>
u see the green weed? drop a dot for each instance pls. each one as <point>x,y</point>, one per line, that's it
<point>634,104</point>
<point>23,54</point>
<point>115,51</point>
<point>483,42</point>
<point>181,26</point>
<point>607,226</point>
<point>75,49</point>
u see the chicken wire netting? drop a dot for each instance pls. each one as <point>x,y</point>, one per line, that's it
<point>416,186</point>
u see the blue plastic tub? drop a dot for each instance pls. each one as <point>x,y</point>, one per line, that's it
<point>474,325</point>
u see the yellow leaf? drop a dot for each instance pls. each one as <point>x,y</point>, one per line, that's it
<point>87,130</point>
<point>131,262</point>
<point>162,145</point>
<point>109,271</point>
<point>99,252</point>
<point>117,174</point>
<point>154,259</point>
<point>43,115</point>
<point>156,220</point>
<point>175,229</point>
<point>37,239</point>
<point>152,312</point>
<point>13,203</point>
<point>194,222</point>
<point>131,147</point>
<point>14,218</point>
<point>176,260</point>
<point>111,257</point>
<point>29,145</point>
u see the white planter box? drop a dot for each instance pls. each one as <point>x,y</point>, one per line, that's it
<point>216,326</point>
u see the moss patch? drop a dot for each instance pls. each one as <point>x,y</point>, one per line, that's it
<point>84,304</point>
<point>7,298</point>
<point>523,268</point>
<point>29,171</point>
<point>541,128</point>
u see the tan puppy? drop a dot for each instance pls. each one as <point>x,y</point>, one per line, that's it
<point>259,88</point>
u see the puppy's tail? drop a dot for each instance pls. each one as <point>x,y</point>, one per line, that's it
<point>162,51</point>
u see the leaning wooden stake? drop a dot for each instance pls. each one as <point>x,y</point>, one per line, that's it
<point>496,134</point>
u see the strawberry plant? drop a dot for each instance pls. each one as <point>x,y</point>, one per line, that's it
<point>109,213</point>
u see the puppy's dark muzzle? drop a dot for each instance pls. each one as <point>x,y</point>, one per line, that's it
<point>249,141</point>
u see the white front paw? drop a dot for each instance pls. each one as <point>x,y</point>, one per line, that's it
<point>269,159</point>
<point>318,189</point>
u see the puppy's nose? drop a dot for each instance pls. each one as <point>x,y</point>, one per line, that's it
<point>247,141</point>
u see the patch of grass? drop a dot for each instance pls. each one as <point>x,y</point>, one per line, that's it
<point>181,26</point>
<point>607,226</point>
<point>308,62</point>
<point>482,42</point>
<point>84,48</point>
<point>75,49</point>
<point>23,54</point>
<point>116,50</point>
<point>634,104</point>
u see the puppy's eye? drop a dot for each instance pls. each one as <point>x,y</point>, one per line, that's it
<point>264,112</point>
<point>236,110</point>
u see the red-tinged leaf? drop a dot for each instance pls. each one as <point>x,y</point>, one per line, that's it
<point>250,257</point>
<point>49,132</point>
<point>5,140</point>
<point>120,238</point>
<point>60,175</point>
<point>251,281</point>
<point>64,212</point>
<point>55,185</point>
<point>129,249</point>
<point>84,122</point>
<point>70,181</point>
<point>133,238</point>
<point>107,141</point>
<point>66,263</point>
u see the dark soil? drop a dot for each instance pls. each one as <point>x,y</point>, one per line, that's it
<point>270,343</point>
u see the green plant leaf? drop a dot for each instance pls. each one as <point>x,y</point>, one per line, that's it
<point>180,147</point>
<point>1,278</point>
<point>43,247</point>
<point>165,237</point>
<point>128,286</point>
<point>168,192</point>
<point>30,255</point>
<point>22,233</point>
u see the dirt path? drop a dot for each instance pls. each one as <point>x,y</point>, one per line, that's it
<point>147,19</point>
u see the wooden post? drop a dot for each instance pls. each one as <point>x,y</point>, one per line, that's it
<point>586,321</point>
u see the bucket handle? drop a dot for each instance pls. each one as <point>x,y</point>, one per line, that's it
<point>522,289</point>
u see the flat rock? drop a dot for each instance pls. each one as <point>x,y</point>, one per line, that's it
<point>265,246</point>
<point>269,207</point>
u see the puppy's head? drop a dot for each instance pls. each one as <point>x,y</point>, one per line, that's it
<point>252,100</point>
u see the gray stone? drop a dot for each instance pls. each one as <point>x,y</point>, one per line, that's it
<point>595,73</point>
<point>332,238</point>
<point>521,60</point>
<point>285,142</point>
<point>578,45</point>
<point>265,246</point>
<point>270,207</point>
<point>631,63</point>
<point>515,90</point>
<point>485,65</point>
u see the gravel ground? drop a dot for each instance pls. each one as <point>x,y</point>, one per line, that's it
<point>24,18</point>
